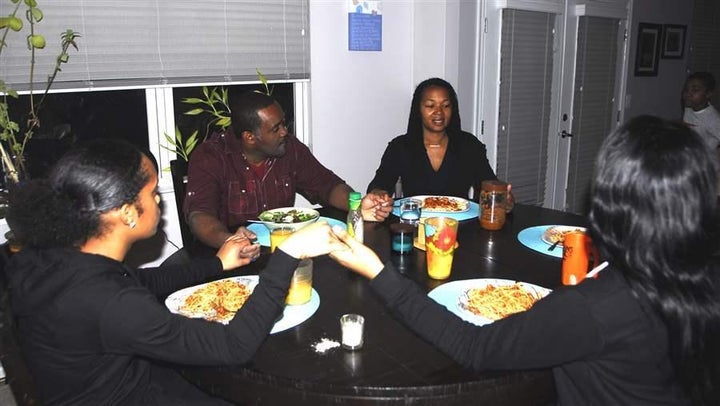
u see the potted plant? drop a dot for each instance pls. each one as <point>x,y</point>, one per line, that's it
<point>13,137</point>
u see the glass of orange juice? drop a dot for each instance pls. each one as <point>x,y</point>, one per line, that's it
<point>300,290</point>
<point>440,238</point>
<point>278,235</point>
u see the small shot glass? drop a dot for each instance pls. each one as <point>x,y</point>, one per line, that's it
<point>351,328</point>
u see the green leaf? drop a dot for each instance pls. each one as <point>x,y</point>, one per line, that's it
<point>31,3</point>
<point>14,23</point>
<point>37,14</point>
<point>169,139</point>
<point>194,112</point>
<point>262,77</point>
<point>192,141</point>
<point>193,100</point>
<point>224,122</point>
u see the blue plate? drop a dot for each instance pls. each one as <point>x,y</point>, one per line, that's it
<point>263,234</point>
<point>451,295</point>
<point>532,237</point>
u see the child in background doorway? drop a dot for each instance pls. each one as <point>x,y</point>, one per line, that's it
<point>699,114</point>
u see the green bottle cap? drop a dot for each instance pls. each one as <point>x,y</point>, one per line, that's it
<point>354,200</point>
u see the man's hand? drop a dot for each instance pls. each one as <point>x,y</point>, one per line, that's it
<point>509,199</point>
<point>376,205</point>
<point>253,250</point>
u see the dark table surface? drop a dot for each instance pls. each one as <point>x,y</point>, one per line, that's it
<point>394,366</point>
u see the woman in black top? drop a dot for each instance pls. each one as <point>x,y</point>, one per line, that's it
<point>647,330</point>
<point>434,157</point>
<point>93,330</point>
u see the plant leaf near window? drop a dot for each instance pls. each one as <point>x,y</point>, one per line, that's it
<point>215,103</point>
<point>13,140</point>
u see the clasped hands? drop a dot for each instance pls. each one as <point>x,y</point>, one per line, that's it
<point>311,241</point>
<point>376,205</point>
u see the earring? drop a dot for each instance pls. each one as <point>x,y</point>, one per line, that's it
<point>132,224</point>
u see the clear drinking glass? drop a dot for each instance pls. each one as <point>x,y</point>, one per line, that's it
<point>410,210</point>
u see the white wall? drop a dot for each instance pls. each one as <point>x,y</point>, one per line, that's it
<point>361,100</point>
<point>658,95</point>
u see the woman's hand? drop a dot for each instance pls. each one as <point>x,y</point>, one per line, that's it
<point>509,199</point>
<point>356,255</point>
<point>311,241</point>
<point>376,205</point>
<point>235,252</point>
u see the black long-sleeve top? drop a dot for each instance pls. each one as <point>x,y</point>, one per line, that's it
<point>605,346</point>
<point>465,164</point>
<point>91,327</point>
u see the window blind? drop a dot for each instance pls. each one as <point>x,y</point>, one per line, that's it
<point>525,94</point>
<point>593,107</point>
<point>142,43</point>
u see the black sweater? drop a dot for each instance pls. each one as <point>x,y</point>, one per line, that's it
<point>90,327</point>
<point>605,347</point>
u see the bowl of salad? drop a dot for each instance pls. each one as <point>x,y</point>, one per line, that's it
<point>294,218</point>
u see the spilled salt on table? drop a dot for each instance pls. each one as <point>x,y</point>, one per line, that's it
<point>324,345</point>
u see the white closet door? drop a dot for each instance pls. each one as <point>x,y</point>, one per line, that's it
<point>594,103</point>
<point>526,80</point>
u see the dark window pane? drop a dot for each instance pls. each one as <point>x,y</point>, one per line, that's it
<point>69,118</point>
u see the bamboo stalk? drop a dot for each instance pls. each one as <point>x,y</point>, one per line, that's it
<point>10,171</point>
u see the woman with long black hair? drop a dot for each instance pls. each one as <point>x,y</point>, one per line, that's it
<point>647,330</point>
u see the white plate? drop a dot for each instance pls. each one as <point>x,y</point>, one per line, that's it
<point>559,229</point>
<point>291,317</point>
<point>462,202</point>
<point>451,295</point>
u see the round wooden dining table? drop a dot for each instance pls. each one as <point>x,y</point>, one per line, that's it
<point>394,366</point>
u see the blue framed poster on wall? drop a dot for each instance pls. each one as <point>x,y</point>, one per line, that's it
<point>364,25</point>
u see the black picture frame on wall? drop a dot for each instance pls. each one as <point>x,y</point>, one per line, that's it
<point>673,44</point>
<point>648,49</point>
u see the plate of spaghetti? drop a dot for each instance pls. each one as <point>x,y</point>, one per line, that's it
<point>218,301</point>
<point>443,204</point>
<point>482,301</point>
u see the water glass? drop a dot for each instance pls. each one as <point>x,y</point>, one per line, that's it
<point>410,211</point>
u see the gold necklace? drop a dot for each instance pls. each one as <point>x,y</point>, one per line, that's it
<point>437,145</point>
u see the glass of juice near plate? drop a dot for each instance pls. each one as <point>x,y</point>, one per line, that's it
<point>440,239</point>
<point>278,235</point>
<point>300,290</point>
